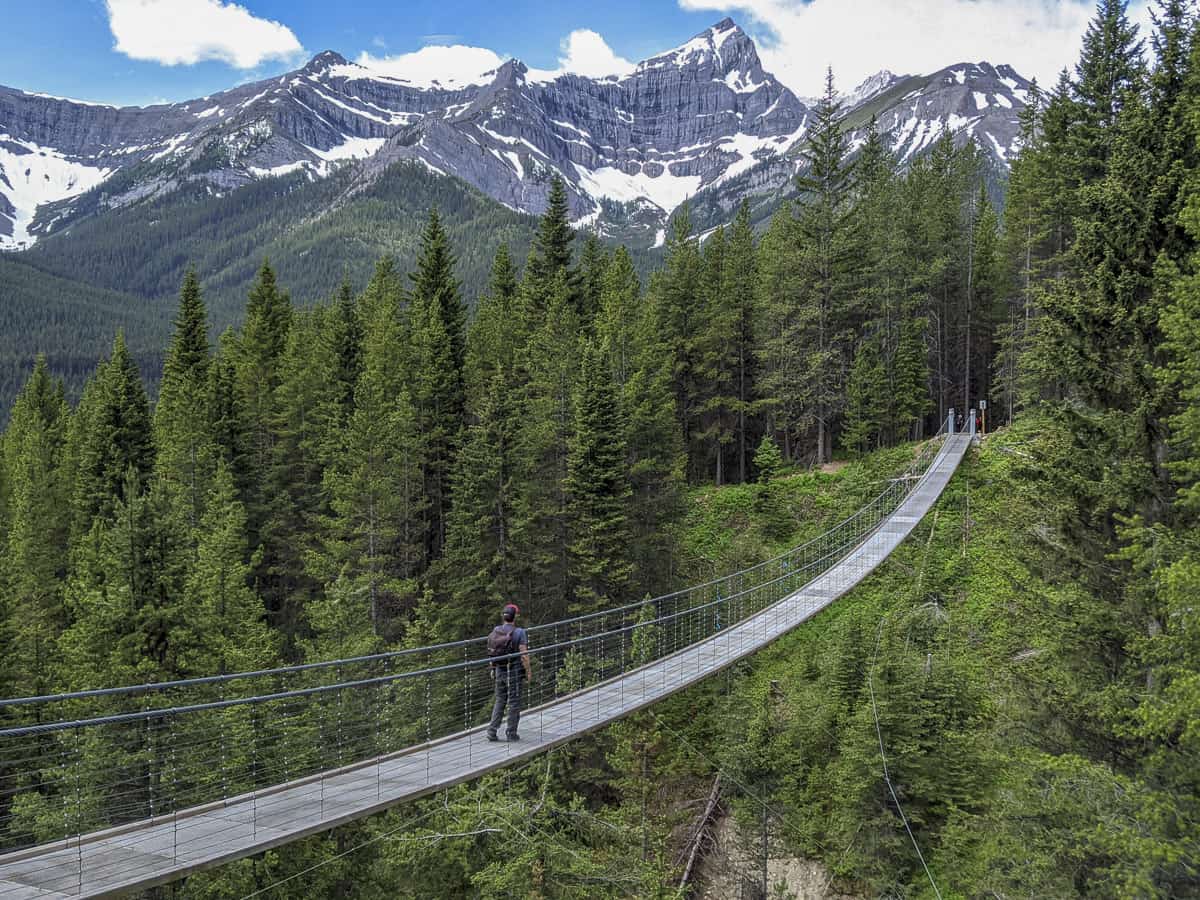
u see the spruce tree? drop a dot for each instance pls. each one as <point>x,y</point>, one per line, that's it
<point>374,546</point>
<point>260,348</point>
<point>1109,67</point>
<point>435,285</point>
<point>676,295</point>
<point>616,324</point>
<point>308,433</point>
<point>826,246</point>
<point>34,541</point>
<point>437,397</point>
<point>593,263</point>
<point>742,283</point>
<point>224,629</point>
<point>344,333</point>
<point>109,436</point>
<point>184,438</point>
<point>541,522</point>
<point>550,256</point>
<point>657,459</point>
<point>597,484</point>
<point>479,567</point>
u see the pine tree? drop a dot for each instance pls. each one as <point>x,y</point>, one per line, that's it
<point>183,433</point>
<point>597,484</point>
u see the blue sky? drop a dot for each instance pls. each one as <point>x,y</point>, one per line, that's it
<point>146,51</point>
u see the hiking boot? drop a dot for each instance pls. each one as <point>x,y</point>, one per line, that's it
<point>514,737</point>
<point>492,736</point>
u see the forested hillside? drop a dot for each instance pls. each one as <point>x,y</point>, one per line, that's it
<point>384,467</point>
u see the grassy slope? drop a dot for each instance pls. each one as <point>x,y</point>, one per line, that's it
<point>976,663</point>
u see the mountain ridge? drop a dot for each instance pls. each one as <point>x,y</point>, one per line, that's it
<point>685,123</point>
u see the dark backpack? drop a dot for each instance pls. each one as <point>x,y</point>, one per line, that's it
<point>500,643</point>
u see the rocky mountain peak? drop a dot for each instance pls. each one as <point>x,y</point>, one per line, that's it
<point>324,60</point>
<point>724,48</point>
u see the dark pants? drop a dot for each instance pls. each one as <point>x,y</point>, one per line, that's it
<point>508,692</point>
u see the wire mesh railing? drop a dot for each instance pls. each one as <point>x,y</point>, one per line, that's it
<point>75,763</point>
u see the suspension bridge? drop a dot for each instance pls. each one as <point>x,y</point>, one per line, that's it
<point>125,788</point>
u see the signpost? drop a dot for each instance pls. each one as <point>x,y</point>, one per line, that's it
<point>983,415</point>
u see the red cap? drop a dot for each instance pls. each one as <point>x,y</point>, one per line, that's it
<point>516,609</point>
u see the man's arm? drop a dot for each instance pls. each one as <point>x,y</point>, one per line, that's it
<point>525,661</point>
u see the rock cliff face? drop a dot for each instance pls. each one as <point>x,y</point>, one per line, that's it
<point>702,121</point>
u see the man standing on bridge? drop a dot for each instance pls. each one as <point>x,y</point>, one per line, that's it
<point>508,670</point>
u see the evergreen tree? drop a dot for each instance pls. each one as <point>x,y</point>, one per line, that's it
<point>375,545</point>
<point>126,593</point>
<point>550,255</point>
<point>1109,67</point>
<point>183,432</point>
<point>616,324</point>
<point>32,565</point>
<point>437,387</point>
<point>109,435</point>
<point>597,484</point>
<point>593,263</point>
<point>657,460</point>
<point>260,349</point>
<point>742,282</point>
<point>307,431</point>
<point>224,629</point>
<point>826,245</point>
<point>676,295</point>
<point>227,411</point>
<point>434,285</point>
<point>541,523</point>
<point>344,333</point>
<point>479,567</point>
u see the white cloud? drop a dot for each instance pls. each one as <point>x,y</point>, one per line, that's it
<point>183,32</point>
<point>799,38</point>
<point>584,52</point>
<point>450,67</point>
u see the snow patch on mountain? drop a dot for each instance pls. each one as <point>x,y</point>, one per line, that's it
<point>31,176</point>
<point>664,189</point>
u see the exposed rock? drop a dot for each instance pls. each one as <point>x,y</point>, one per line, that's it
<point>702,121</point>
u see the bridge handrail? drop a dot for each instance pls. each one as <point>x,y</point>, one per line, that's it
<point>167,712</point>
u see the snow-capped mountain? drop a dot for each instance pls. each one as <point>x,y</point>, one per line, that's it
<point>703,120</point>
